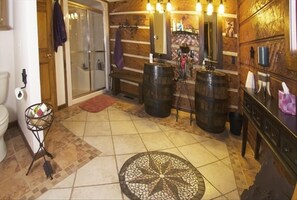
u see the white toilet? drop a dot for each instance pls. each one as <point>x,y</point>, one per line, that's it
<point>3,113</point>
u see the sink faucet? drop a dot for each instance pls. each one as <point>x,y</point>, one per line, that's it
<point>209,64</point>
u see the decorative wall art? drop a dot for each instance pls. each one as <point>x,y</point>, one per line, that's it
<point>229,29</point>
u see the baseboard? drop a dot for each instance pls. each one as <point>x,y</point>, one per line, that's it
<point>62,106</point>
<point>13,124</point>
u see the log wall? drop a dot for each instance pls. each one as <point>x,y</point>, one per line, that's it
<point>262,23</point>
<point>136,45</point>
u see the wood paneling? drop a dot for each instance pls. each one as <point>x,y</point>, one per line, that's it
<point>251,7</point>
<point>134,48</point>
<point>262,23</point>
<point>140,34</point>
<point>134,63</point>
<point>134,11</point>
<point>190,21</point>
<point>127,5</point>
<point>184,5</point>
<point>133,19</point>
<point>267,23</point>
<point>230,44</point>
<point>227,63</point>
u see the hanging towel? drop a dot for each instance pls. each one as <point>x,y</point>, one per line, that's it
<point>59,29</point>
<point>118,51</point>
<point>250,80</point>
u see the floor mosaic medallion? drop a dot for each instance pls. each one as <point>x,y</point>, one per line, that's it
<point>160,175</point>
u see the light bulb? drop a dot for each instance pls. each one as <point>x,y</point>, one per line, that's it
<point>161,10</point>
<point>198,7</point>
<point>159,6</point>
<point>209,9</point>
<point>168,6</point>
<point>75,15</point>
<point>221,9</point>
<point>149,6</point>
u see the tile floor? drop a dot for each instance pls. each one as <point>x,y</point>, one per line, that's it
<point>119,135</point>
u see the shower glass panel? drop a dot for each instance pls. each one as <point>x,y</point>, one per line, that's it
<point>87,50</point>
<point>97,52</point>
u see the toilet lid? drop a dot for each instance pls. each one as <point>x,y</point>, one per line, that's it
<point>3,114</point>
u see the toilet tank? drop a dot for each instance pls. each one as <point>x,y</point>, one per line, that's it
<point>4,86</point>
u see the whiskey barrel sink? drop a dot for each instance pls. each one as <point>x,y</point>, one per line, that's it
<point>158,89</point>
<point>211,100</point>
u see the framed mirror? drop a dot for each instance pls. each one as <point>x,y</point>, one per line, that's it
<point>160,35</point>
<point>210,38</point>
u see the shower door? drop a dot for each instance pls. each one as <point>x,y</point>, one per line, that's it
<point>86,50</point>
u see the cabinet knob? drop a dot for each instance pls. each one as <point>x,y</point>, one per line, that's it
<point>272,134</point>
<point>286,149</point>
<point>48,55</point>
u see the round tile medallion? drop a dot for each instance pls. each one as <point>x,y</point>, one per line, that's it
<point>160,175</point>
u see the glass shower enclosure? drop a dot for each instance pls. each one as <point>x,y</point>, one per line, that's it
<point>87,50</point>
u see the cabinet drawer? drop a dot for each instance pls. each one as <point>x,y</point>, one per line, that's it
<point>247,104</point>
<point>257,116</point>
<point>289,151</point>
<point>272,132</point>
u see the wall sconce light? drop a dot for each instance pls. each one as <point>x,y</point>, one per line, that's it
<point>149,6</point>
<point>168,6</point>
<point>159,6</point>
<point>221,9</point>
<point>209,8</point>
<point>198,7</point>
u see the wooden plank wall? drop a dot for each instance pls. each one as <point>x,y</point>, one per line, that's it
<point>262,23</point>
<point>136,45</point>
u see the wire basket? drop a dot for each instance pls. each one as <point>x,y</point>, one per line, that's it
<point>38,123</point>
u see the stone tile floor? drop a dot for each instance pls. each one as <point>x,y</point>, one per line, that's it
<point>77,139</point>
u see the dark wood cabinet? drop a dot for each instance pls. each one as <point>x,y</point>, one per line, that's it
<point>274,127</point>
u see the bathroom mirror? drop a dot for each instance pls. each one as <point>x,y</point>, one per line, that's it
<point>210,30</point>
<point>160,35</point>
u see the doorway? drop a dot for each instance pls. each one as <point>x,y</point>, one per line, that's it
<point>46,54</point>
<point>87,52</point>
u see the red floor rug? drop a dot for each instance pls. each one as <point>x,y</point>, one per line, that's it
<point>97,103</point>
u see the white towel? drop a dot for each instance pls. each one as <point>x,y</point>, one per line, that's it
<point>250,80</point>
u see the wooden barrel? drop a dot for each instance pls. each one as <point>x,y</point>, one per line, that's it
<point>211,100</point>
<point>158,89</point>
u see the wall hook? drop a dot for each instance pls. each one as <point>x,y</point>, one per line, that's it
<point>24,78</point>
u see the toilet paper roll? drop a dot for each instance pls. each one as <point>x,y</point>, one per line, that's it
<point>250,80</point>
<point>151,58</point>
<point>19,93</point>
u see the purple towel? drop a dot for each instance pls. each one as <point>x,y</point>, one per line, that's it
<point>118,51</point>
<point>59,29</point>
